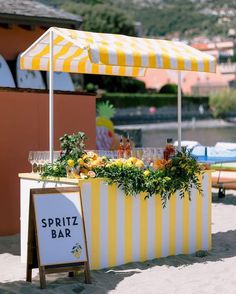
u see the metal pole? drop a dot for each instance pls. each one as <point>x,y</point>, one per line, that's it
<point>51,118</point>
<point>179,110</point>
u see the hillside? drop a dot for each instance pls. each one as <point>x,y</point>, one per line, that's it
<point>174,18</point>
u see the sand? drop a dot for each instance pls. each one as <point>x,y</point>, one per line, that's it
<point>182,274</point>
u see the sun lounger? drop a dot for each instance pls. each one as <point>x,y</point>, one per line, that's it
<point>223,161</point>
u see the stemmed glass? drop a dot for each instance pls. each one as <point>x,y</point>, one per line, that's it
<point>32,159</point>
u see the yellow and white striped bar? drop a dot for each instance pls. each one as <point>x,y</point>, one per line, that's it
<point>111,54</point>
<point>122,229</point>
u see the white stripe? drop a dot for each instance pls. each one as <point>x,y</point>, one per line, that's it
<point>144,60</point>
<point>27,62</point>
<point>112,55</point>
<point>179,224</point>
<point>88,67</point>
<point>129,58</point>
<point>43,64</point>
<point>142,72</point>
<point>187,64</point>
<point>70,52</point>
<point>86,198</point>
<point>115,70</point>
<point>151,228</point>
<point>95,56</point>
<point>120,228</point>
<point>192,221</point>
<point>212,66</point>
<point>36,50</point>
<point>205,216</point>
<point>102,69</point>
<point>103,225</point>
<point>136,228</point>
<point>128,71</point>
<point>59,64</point>
<point>165,230</point>
<point>200,65</point>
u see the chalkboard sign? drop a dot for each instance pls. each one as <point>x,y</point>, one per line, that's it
<point>56,232</point>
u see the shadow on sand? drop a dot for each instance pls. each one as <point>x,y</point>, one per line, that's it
<point>107,279</point>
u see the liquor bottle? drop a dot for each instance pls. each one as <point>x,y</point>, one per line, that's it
<point>121,149</point>
<point>169,149</point>
<point>127,151</point>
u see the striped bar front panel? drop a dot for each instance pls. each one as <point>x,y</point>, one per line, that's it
<point>122,229</point>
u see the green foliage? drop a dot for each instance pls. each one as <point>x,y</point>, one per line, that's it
<point>91,88</point>
<point>72,149</point>
<point>222,102</point>
<point>102,18</point>
<point>105,109</point>
<point>116,84</point>
<point>171,18</point>
<point>123,100</point>
<point>180,173</point>
<point>169,89</point>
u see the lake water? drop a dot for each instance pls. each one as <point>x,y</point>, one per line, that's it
<point>204,135</point>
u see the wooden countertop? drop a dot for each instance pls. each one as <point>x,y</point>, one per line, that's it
<point>37,177</point>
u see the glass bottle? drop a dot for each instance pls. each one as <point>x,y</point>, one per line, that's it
<point>169,149</point>
<point>127,151</point>
<point>121,149</point>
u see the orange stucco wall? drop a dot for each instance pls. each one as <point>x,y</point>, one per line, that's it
<point>15,40</point>
<point>24,127</point>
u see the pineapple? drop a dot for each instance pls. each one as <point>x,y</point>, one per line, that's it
<point>104,126</point>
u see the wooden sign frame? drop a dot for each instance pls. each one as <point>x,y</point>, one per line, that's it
<point>33,252</point>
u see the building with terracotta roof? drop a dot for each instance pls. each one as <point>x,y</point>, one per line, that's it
<point>24,124</point>
<point>198,83</point>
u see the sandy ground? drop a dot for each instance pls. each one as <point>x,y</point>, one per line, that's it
<point>182,274</point>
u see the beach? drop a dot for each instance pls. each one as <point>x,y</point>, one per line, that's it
<point>205,272</point>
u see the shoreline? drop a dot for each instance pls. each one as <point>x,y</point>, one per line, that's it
<point>193,124</point>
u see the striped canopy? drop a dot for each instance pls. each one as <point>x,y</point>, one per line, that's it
<point>110,54</point>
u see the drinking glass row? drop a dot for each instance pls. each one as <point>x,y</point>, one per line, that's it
<point>147,154</point>
<point>38,159</point>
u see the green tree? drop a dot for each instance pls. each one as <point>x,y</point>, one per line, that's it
<point>102,18</point>
<point>223,102</point>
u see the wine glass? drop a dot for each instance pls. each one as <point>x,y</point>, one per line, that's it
<point>31,159</point>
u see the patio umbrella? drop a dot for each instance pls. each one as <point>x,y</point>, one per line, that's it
<point>66,50</point>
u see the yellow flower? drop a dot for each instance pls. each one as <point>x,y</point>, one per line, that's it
<point>92,155</point>
<point>70,162</point>
<point>132,160</point>
<point>139,163</point>
<point>118,163</point>
<point>146,173</point>
<point>80,161</point>
<point>128,164</point>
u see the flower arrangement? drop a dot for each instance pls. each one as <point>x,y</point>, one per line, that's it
<point>180,172</point>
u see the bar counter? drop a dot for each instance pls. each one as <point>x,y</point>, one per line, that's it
<point>122,229</point>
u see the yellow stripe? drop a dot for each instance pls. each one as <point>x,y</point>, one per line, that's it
<point>43,52</point>
<point>199,218</point>
<point>67,62</point>
<point>95,225</point>
<point>185,246</point>
<point>206,64</point>
<point>143,227</point>
<point>209,210</point>
<point>172,225</point>
<point>63,51</point>
<point>121,59</point>
<point>128,229</point>
<point>112,206</point>
<point>158,226</point>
